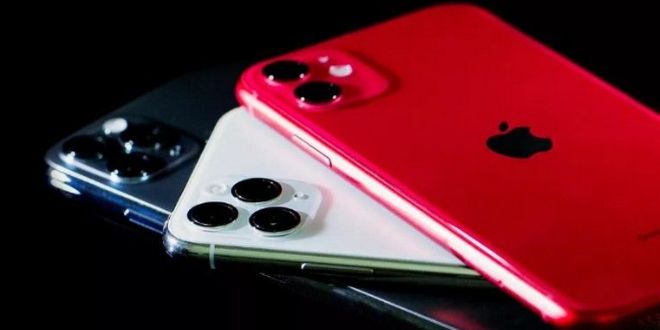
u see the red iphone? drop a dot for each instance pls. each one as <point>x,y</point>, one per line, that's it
<point>535,172</point>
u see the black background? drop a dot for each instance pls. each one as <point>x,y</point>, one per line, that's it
<point>83,62</point>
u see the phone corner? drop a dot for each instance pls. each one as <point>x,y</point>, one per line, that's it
<point>458,9</point>
<point>460,6</point>
<point>243,84</point>
<point>174,247</point>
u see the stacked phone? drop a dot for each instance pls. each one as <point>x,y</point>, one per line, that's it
<point>378,165</point>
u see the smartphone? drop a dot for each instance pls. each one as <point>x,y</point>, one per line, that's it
<point>533,171</point>
<point>191,105</point>
<point>403,305</point>
<point>255,198</point>
<point>135,161</point>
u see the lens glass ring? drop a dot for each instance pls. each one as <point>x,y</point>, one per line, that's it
<point>134,165</point>
<point>256,190</point>
<point>275,220</point>
<point>148,136</point>
<point>212,214</point>
<point>89,147</point>
<point>286,70</point>
<point>317,92</point>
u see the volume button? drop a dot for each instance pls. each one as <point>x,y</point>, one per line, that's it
<point>311,150</point>
<point>335,269</point>
<point>144,220</point>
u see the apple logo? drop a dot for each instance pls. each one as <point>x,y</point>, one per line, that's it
<point>518,142</point>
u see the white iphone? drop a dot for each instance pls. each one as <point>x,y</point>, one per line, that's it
<point>254,197</point>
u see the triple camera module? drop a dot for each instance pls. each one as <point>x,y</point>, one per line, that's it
<point>314,92</point>
<point>274,220</point>
<point>128,150</point>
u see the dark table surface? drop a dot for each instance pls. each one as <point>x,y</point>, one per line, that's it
<point>84,65</point>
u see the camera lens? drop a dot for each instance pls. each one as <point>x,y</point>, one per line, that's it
<point>317,92</point>
<point>134,165</point>
<point>212,214</point>
<point>148,136</point>
<point>275,219</point>
<point>256,190</point>
<point>286,70</point>
<point>88,147</point>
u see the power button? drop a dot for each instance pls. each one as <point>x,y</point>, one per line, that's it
<point>311,150</point>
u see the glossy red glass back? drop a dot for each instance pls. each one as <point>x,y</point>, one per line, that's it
<point>574,232</point>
